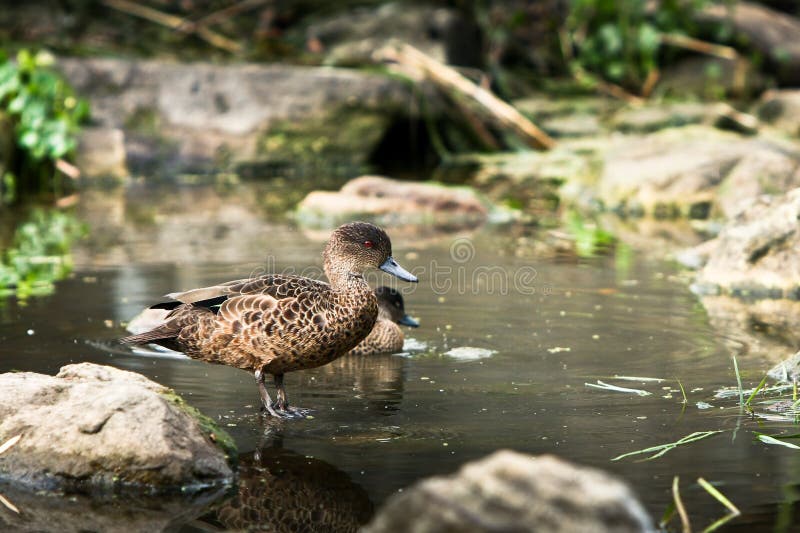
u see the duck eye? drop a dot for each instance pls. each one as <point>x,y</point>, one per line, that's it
<point>368,244</point>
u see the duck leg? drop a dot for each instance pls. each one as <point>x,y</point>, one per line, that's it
<point>266,401</point>
<point>282,403</point>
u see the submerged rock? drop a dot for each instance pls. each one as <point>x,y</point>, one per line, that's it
<point>508,491</point>
<point>95,429</point>
<point>394,203</point>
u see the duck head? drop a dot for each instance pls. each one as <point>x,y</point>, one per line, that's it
<point>359,246</point>
<point>391,307</point>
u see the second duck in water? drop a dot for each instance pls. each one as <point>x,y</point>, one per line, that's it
<point>386,336</point>
<point>275,324</point>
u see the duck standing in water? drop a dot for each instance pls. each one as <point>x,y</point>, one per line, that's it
<point>386,336</point>
<point>275,324</point>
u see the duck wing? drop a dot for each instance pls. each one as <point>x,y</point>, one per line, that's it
<point>278,286</point>
<point>237,305</point>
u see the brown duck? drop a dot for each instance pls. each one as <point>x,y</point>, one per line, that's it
<point>275,324</point>
<point>386,336</point>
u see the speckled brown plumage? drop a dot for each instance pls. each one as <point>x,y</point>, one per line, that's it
<point>386,336</point>
<point>275,324</point>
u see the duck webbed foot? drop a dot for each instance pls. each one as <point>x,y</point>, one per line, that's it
<point>280,407</point>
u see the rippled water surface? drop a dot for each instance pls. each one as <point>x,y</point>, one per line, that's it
<point>545,327</point>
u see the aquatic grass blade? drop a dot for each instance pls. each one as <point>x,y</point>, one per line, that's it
<point>683,392</point>
<point>638,378</point>
<point>717,495</point>
<point>766,439</point>
<point>8,504</point>
<point>676,496</point>
<point>738,381</point>
<point>755,391</point>
<point>661,449</point>
<point>614,388</point>
<point>711,489</point>
<point>9,443</point>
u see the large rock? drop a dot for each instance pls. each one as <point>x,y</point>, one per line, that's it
<point>694,171</point>
<point>95,428</point>
<point>756,254</point>
<point>509,491</point>
<point>202,114</point>
<point>393,202</point>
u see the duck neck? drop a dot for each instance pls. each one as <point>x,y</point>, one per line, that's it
<point>343,278</point>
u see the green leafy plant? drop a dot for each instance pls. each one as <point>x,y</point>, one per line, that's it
<point>621,40</point>
<point>39,254</point>
<point>43,115</point>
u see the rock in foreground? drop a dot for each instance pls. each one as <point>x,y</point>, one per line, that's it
<point>508,491</point>
<point>94,428</point>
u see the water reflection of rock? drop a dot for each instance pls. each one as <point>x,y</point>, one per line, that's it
<point>378,379</point>
<point>280,490</point>
<point>767,329</point>
<point>77,513</point>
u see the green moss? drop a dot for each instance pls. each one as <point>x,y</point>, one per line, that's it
<point>345,136</point>
<point>215,434</point>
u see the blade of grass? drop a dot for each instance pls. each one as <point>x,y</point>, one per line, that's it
<point>661,449</point>
<point>734,511</point>
<point>637,378</point>
<point>607,386</point>
<point>766,439</point>
<point>755,391</point>
<point>669,512</point>
<point>676,496</point>
<point>8,504</point>
<point>711,489</point>
<point>9,443</point>
<point>683,391</point>
<point>719,523</point>
<point>738,381</point>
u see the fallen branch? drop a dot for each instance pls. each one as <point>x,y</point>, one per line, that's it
<point>420,65</point>
<point>690,43</point>
<point>175,23</point>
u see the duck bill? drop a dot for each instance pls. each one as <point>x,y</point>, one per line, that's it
<point>408,321</point>
<point>391,266</point>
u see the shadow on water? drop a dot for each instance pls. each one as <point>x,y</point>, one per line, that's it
<point>547,326</point>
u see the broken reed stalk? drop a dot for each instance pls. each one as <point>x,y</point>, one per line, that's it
<point>676,495</point>
<point>454,83</point>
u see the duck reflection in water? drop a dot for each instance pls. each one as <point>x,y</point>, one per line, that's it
<point>280,490</point>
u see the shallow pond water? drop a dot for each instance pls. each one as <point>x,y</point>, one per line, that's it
<point>544,326</point>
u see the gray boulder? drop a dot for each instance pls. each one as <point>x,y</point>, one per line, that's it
<point>508,491</point>
<point>755,256</point>
<point>94,428</point>
<point>694,171</point>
